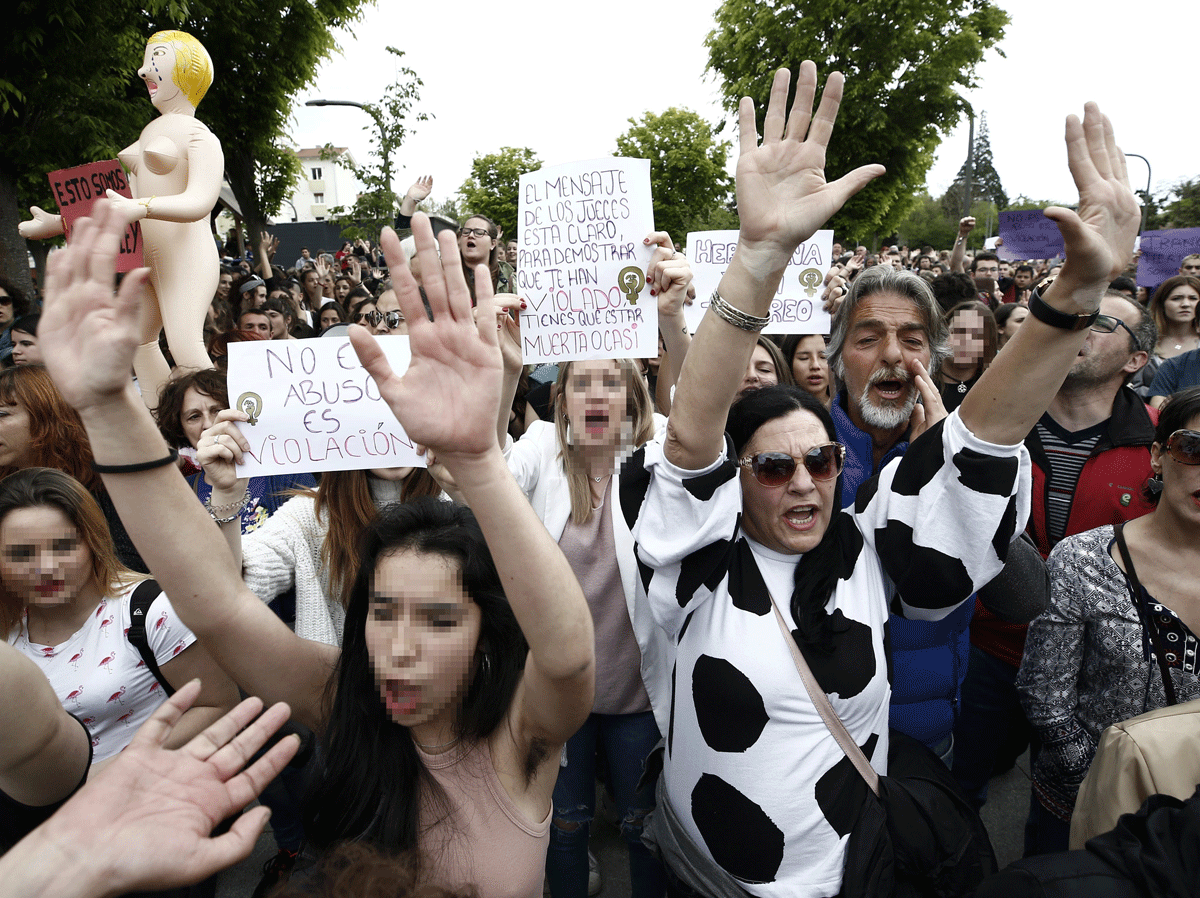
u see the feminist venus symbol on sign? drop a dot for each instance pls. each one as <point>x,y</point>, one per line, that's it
<point>314,407</point>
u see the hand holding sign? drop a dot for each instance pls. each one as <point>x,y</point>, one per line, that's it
<point>448,397</point>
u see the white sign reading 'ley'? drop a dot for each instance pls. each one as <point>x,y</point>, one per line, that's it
<point>313,407</point>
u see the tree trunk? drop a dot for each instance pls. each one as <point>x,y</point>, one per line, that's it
<point>14,253</point>
<point>239,168</point>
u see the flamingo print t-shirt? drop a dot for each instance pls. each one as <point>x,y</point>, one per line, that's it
<point>100,677</point>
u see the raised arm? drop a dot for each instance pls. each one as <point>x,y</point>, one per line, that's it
<point>670,278</point>
<point>89,336</point>
<point>1017,387</point>
<point>782,199</point>
<point>965,227</point>
<point>447,401</point>
<point>44,753</point>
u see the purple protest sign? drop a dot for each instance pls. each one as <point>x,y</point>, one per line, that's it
<point>1028,235</point>
<point>1163,252</point>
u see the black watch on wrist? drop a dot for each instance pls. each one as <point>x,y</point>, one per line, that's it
<point>1047,314</point>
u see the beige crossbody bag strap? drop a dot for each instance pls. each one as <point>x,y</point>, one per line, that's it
<point>821,701</point>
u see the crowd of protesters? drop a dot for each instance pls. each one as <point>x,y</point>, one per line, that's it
<point>970,510</point>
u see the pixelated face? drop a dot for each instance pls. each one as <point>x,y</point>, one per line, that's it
<point>595,400</point>
<point>43,560</point>
<point>760,371</point>
<point>793,517</point>
<point>422,631</point>
<point>966,337</point>
<point>809,366</point>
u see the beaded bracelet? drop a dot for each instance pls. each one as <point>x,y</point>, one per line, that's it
<point>735,316</point>
<point>234,508</point>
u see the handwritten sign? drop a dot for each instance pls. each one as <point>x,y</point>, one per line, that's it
<point>1163,252</point>
<point>1029,235</point>
<point>796,308</point>
<point>76,191</point>
<point>313,407</point>
<point>581,262</point>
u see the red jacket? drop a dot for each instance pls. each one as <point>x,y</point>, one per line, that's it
<point>1109,491</point>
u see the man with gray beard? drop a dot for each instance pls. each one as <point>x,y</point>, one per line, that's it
<point>887,333</point>
<point>887,329</point>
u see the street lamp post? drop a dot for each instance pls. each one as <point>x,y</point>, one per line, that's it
<point>371,111</point>
<point>1145,205</point>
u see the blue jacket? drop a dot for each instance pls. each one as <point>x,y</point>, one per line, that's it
<point>928,659</point>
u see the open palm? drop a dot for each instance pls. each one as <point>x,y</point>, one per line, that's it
<point>782,194</point>
<point>448,398</point>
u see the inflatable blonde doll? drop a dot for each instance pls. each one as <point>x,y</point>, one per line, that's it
<point>175,170</point>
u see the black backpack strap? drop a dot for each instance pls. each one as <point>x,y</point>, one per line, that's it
<point>1144,615</point>
<point>140,600</point>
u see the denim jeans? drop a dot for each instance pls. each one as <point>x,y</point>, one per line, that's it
<point>627,739</point>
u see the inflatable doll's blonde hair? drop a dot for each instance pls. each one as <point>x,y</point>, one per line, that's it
<point>193,66</point>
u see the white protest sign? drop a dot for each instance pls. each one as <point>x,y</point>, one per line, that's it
<point>313,407</point>
<point>797,307</point>
<point>581,262</point>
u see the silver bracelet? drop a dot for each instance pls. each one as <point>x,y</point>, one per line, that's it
<point>235,507</point>
<point>736,317</point>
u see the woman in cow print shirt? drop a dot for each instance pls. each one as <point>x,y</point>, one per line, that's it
<point>752,775</point>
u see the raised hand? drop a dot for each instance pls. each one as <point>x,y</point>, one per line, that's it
<point>220,449</point>
<point>87,332</point>
<point>419,189</point>
<point>668,274</point>
<point>449,397</point>
<point>930,409</point>
<point>782,194</point>
<point>159,806</point>
<point>1098,237</point>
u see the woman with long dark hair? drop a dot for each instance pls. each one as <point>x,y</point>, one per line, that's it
<point>440,729</point>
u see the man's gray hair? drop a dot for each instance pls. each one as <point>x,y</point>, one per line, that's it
<point>1144,331</point>
<point>885,279</point>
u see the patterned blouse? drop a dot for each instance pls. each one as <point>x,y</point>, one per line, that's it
<point>1089,665</point>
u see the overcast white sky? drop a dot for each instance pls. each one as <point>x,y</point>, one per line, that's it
<point>563,79</point>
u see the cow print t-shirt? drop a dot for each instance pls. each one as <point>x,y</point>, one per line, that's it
<point>751,769</point>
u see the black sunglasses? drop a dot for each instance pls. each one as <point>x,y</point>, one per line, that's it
<point>777,468</point>
<point>1184,447</point>
<point>394,319</point>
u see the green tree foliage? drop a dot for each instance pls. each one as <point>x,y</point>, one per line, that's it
<point>929,221</point>
<point>67,96</point>
<point>69,93</point>
<point>903,60</point>
<point>1180,206</point>
<point>493,187</point>
<point>981,170</point>
<point>687,170</point>
<point>389,127</point>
